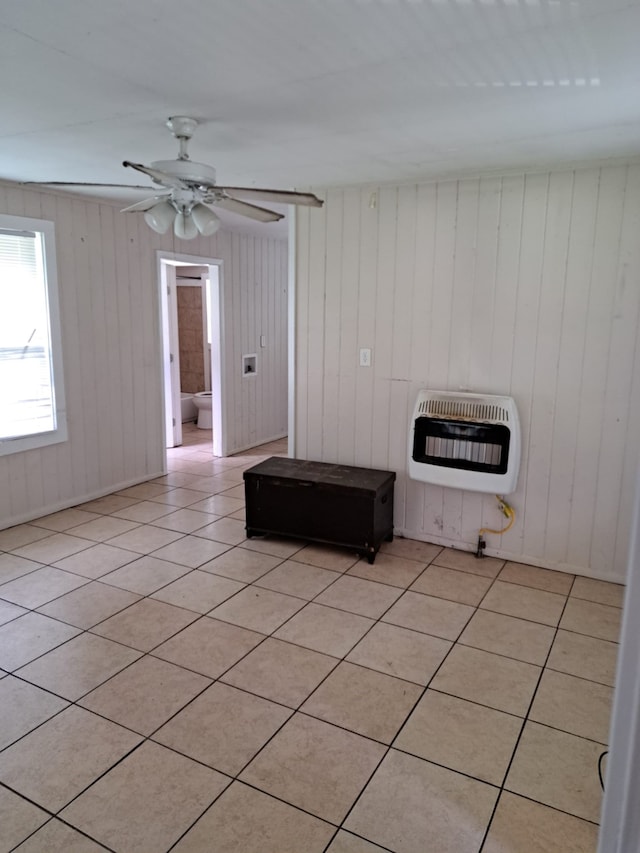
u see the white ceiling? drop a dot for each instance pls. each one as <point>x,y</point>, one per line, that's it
<point>303,93</point>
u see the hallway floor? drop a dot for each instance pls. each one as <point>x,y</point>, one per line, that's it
<point>166,684</point>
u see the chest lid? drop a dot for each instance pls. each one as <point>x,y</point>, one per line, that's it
<point>323,474</point>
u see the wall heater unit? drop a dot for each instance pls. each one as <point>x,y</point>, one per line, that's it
<point>465,441</point>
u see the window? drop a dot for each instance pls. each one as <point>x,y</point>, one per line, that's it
<point>32,409</point>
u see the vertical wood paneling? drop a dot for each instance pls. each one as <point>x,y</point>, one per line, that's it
<point>386,250</point>
<point>508,249</point>
<point>426,218</point>
<point>109,306</point>
<point>399,405</point>
<point>315,335</point>
<point>246,286</point>
<point>404,278</point>
<point>463,285</point>
<point>534,214</point>
<point>424,282</point>
<point>366,328</point>
<point>616,410</point>
<point>461,320</point>
<point>14,468</point>
<point>53,465</point>
<point>549,328</point>
<point>230,412</point>
<point>440,320</point>
<point>70,283</point>
<point>242,399</point>
<point>254,289</point>
<point>242,402</point>
<point>282,310</point>
<point>98,291</point>
<point>70,354</point>
<point>349,273</point>
<point>382,351</point>
<point>525,285</point>
<point>331,309</point>
<point>151,292</point>
<point>570,361</point>
<point>483,303</point>
<point>115,462</point>
<point>302,257</point>
<point>507,282</point>
<point>126,331</point>
<point>262,320</point>
<point>630,466</point>
<point>88,414</point>
<point>33,463</point>
<point>482,332</point>
<point>253,293</point>
<point>594,367</point>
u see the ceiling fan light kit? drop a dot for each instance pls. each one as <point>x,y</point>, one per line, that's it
<point>184,227</point>
<point>160,217</point>
<point>191,187</point>
<point>187,223</point>
<point>205,219</point>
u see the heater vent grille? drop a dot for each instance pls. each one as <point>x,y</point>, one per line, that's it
<point>463,410</point>
<point>465,441</point>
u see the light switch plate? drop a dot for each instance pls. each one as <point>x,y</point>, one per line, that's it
<point>365,357</point>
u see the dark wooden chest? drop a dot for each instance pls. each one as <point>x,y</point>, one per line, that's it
<point>321,502</point>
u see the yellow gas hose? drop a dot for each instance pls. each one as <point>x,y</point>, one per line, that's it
<point>508,511</point>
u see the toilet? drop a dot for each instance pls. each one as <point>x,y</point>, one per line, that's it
<point>202,402</point>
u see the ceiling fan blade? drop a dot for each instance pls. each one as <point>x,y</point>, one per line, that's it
<point>156,175</point>
<point>283,196</point>
<point>146,204</point>
<point>83,184</point>
<point>250,210</point>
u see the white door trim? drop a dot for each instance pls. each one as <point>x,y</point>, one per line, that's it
<point>169,419</point>
<point>218,408</point>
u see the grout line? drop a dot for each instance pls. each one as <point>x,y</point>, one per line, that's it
<point>55,818</point>
<point>524,724</point>
<point>564,731</point>
<point>28,799</point>
<point>297,710</point>
<point>407,717</point>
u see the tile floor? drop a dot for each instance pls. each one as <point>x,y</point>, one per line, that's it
<point>166,684</point>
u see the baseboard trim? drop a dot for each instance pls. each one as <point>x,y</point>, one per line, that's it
<point>502,554</point>
<point>49,509</point>
<point>255,444</point>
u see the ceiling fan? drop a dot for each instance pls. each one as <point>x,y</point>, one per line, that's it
<point>188,189</point>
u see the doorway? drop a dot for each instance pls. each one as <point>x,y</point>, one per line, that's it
<point>191,295</point>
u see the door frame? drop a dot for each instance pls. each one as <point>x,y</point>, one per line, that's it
<point>168,324</point>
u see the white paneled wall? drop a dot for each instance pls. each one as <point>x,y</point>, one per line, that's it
<point>255,292</point>
<point>525,285</point>
<point>107,277</point>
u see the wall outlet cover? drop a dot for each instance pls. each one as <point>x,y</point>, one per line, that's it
<point>365,357</point>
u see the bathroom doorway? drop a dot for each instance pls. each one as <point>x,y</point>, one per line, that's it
<point>192,344</point>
